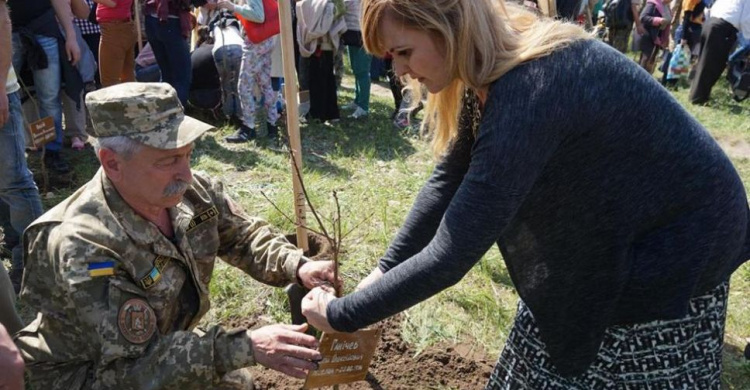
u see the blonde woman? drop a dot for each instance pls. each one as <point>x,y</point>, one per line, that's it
<point>619,231</point>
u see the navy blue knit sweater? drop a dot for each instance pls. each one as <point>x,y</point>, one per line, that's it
<point>609,202</point>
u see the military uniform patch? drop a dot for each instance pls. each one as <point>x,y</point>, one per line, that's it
<point>136,320</point>
<point>154,276</point>
<point>204,216</point>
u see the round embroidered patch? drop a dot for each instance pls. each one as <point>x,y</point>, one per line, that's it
<point>136,320</point>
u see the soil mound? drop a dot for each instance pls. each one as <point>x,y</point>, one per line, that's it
<point>397,366</point>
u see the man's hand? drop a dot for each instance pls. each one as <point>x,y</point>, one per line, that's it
<point>641,30</point>
<point>314,306</point>
<point>285,348</point>
<point>316,273</point>
<point>4,107</point>
<point>373,277</point>
<point>71,47</point>
<point>11,363</point>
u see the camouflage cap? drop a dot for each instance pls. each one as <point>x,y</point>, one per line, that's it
<point>149,113</point>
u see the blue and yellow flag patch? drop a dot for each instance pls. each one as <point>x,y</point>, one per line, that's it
<point>105,268</point>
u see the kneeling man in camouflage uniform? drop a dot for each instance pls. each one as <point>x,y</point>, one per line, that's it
<point>119,272</point>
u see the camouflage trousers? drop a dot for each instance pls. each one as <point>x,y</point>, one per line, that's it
<point>236,380</point>
<point>618,38</point>
<point>79,377</point>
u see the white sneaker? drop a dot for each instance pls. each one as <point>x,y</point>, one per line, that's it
<point>358,113</point>
<point>350,106</point>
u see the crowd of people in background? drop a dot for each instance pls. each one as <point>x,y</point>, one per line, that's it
<point>201,48</point>
<point>713,34</point>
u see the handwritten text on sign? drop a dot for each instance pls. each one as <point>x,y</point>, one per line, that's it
<point>346,358</point>
<point>42,131</point>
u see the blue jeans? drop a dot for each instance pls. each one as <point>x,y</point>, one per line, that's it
<point>46,83</point>
<point>172,53</point>
<point>148,74</point>
<point>19,197</point>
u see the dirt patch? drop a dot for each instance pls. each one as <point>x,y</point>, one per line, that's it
<point>319,247</point>
<point>397,366</point>
<point>737,148</point>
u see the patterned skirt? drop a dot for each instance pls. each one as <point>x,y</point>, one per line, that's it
<point>660,355</point>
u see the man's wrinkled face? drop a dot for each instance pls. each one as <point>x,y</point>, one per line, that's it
<point>158,177</point>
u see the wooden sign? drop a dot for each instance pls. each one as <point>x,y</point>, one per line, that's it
<point>42,131</point>
<point>346,358</point>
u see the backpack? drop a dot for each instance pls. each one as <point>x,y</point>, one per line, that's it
<point>738,76</point>
<point>259,32</point>
<point>617,14</point>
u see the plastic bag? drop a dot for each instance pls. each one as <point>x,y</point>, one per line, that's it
<point>679,65</point>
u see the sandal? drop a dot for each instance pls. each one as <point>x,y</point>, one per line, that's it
<point>77,144</point>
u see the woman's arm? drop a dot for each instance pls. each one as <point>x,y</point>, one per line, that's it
<point>80,9</point>
<point>433,199</point>
<point>520,130</point>
<point>649,16</point>
<point>106,3</point>
<point>253,11</point>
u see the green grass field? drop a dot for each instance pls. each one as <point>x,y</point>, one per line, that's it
<point>377,171</point>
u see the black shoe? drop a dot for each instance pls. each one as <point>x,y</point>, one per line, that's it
<point>16,276</point>
<point>747,351</point>
<point>244,134</point>
<point>54,161</point>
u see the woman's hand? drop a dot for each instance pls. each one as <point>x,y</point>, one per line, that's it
<point>373,277</point>
<point>314,306</point>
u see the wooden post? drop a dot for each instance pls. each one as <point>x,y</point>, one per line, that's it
<point>548,8</point>
<point>139,34</point>
<point>292,118</point>
<point>194,32</point>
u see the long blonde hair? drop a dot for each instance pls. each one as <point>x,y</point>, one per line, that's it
<point>483,40</point>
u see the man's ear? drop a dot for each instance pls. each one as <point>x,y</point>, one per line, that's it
<point>111,163</point>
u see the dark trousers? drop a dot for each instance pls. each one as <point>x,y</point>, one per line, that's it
<point>172,53</point>
<point>323,103</point>
<point>717,39</point>
<point>394,82</point>
<point>92,41</point>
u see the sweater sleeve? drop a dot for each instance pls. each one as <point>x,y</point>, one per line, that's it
<point>520,130</point>
<point>252,11</point>
<point>649,16</point>
<point>429,207</point>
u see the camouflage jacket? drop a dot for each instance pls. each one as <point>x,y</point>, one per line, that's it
<point>117,301</point>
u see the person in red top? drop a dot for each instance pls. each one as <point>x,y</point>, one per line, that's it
<point>117,44</point>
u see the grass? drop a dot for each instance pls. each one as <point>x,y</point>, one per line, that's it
<point>377,171</point>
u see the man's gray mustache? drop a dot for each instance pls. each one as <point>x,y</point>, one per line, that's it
<point>177,187</point>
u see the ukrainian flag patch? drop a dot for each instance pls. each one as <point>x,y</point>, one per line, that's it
<point>105,268</point>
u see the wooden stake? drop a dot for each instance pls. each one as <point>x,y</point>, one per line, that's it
<point>194,33</point>
<point>292,118</point>
<point>139,34</point>
<point>548,8</point>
